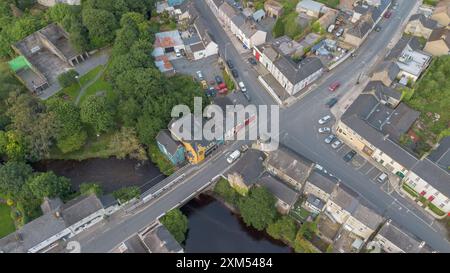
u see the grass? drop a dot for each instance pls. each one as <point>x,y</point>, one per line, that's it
<point>6,222</point>
<point>330,3</point>
<point>228,81</point>
<point>71,92</point>
<point>410,191</point>
<point>431,2</point>
<point>98,86</point>
<point>435,209</point>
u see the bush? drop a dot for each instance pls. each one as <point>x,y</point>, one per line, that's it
<point>177,224</point>
<point>91,188</point>
<point>68,78</point>
<point>126,194</point>
<point>258,208</point>
<point>227,192</point>
<point>284,229</point>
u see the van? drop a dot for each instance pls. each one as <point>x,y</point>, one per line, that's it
<point>233,156</point>
<point>382,177</point>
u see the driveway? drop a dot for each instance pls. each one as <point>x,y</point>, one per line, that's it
<point>208,66</point>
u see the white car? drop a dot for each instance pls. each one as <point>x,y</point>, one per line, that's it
<point>324,119</point>
<point>199,75</point>
<point>382,177</point>
<point>331,28</point>
<point>324,130</point>
<point>336,144</point>
<point>242,87</point>
<point>233,156</point>
<point>178,53</point>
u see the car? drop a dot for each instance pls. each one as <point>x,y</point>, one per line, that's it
<point>218,80</point>
<point>334,86</point>
<point>244,148</point>
<point>230,64</point>
<point>211,92</point>
<point>324,130</point>
<point>331,102</point>
<point>388,14</point>
<point>199,75</point>
<point>329,139</point>
<point>336,144</point>
<point>252,61</point>
<point>247,96</point>
<point>339,32</point>
<point>233,156</point>
<point>204,84</point>
<point>242,87</point>
<point>324,119</point>
<point>349,156</point>
<point>331,28</point>
<point>235,73</point>
<point>382,177</point>
<point>177,53</point>
<point>377,28</point>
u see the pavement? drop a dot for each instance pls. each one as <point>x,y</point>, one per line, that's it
<point>298,130</point>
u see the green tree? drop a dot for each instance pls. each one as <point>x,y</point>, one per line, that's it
<point>12,145</point>
<point>308,229</point>
<point>126,143</point>
<point>49,185</point>
<point>283,229</point>
<point>13,176</point>
<point>278,28</point>
<point>91,188</point>
<point>68,78</point>
<point>258,209</point>
<point>177,224</point>
<point>97,112</point>
<point>126,194</point>
<point>224,189</point>
<point>301,245</point>
<point>101,25</point>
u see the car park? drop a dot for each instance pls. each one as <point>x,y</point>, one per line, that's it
<point>382,177</point>
<point>329,139</point>
<point>349,156</point>
<point>233,156</point>
<point>324,130</point>
<point>334,86</point>
<point>336,144</point>
<point>332,102</point>
<point>230,64</point>
<point>235,73</point>
<point>324,119</point>
<point>218,80</point>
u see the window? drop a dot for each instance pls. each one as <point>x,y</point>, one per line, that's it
<point>417,179</point>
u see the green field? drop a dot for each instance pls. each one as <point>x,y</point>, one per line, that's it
<point>6,222</point>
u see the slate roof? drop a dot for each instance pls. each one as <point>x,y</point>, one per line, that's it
<point>296,73</point>
<point>315,201</point>
<point>390,67</point>
<point>80,208</point>
<point>360,29</point>
<point>293,165</point>
<point>159,240</point>
<point>322,182</point>
<point>164,138</point>
<point>441,155</point>
<point>433,175</point>
<point>280,190</point>
<point>426,22</point>
<point>439,34</point>
<point>346,198</point>
<point>397,50</point>
<point>250,166</point>
<point>400,238</point>
<point>367,216</point>
<point>381,91</point>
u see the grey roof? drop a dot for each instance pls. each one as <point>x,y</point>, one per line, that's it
<point>397,50</point>
<point>390,67</point>
<point>257,15</point>
<point>80,208</point>
<point>361,9</point>
<point>441,155</point>
<point>346,198</point>
<point>293,165</point>
<point>203,31</point>
<point>322,182</point>
<point>400,238</point>
<point>250,166</point>
<point>315,201</point>
<point>159,240</point>
<point>280,190</point>
<point>164,138</point>
<point>51,204</point>
<point>360,29</point>
<point>133,245</point>
<point>382,91</point>
<point>310,5</point>
<point>296,73</point>
<point>238,20</point>
<point>367,216</point>
<point>228,9</point>
<point>197,47</point>
<point>108,200</point>
<point>426,22</point>
<point>440,34</point>
<point>433,175</point>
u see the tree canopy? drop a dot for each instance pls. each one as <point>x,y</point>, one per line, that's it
<point>258,209</point>
<point>177,224</point>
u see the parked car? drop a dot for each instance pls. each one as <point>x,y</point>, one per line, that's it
<point>382,177</point>
<point>340,32</point>
<point>233,156</point>
<point>388,14</point>
<point>235,73</point>
<point>242,87</point>
<point>324,130</point>
<point>332,102</point>
<point>324,119</point>
<point>334,86</point>
<point>329,139</point>
<point>218,80</point>
<point>349,156</point>
<point>336,144</point>
<point>204,84</point>
<point>211,92</point>
<point>247,96</point>
<point>331,28</point>
<point>230,64</point>
<point>199,75</point>
<point>377,28</point>
<point>252,61</point>
<point>244,148</point>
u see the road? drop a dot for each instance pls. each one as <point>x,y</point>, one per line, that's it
<point>298,131</point>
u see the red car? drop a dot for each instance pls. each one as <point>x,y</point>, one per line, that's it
<point>334,86</point>
<point>387,14</point>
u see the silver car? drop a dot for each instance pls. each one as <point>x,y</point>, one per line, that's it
<point>336,144</point>
<point>324,130</point>
<point>329,139</point>
<point>324,119</point>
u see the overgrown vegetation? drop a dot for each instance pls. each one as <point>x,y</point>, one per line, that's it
<point>177,223</point>
<point>125,194</point>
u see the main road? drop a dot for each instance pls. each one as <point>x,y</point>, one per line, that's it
<point>297,124</point>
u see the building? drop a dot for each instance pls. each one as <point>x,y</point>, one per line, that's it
<point>438,43</point>
<point>189,131</point>
<point>373,128</point>
<point>311,8</point>
<point>204,46</point>
<point>328,18</point>
<point>292,76</point>
<point>363,221</point>
<point>173,3</point>
<point>273,8</point>
<point>393,239</point>
<point>51,3</point>
<point>44,55</point>
<point>289,166</point>
<point>346,4</point>
<point>441,13</point>
<point>318,189</point>
<point>420,26</point>
<point>258,15</point>
<point>385,95</point>
<point>441,155</point>
<point>165,47</point>
<point>244,175</point>
<point>60,221</point>
<point>386,72</point>
<point>172,149</point>
<point>286,197</point>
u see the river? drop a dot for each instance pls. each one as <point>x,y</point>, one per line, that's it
<point>213,228</point>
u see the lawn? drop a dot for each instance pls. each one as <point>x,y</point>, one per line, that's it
<point>6,222</point>
<point>99,86</point>
<point>330,3</point>
<point>71,92</point>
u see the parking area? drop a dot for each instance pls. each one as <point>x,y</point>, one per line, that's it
<point>208,66</point>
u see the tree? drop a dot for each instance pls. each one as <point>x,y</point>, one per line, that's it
<point>308,229</point>
<point>278,28</point>
<point>258,209</point>
<point>177,224</point>
<point>91,188</point>
<point>49,185</point>
<point>12,145</point>
<point>71,135</point>
<point>127,144</point>
<point>13,176</point>
<point>97,112</point>
<point>303,246</point>
<point>224,189</point>
<point>101,25</point>
<point>126,194</point>
<point>283,229</point>
<point>68,78</point>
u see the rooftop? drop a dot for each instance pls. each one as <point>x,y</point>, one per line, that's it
<point>425,21</point>
<point>400,238</point>
<point>440,34</point>
<point>279,189</point>
<point>345,198</point>
<point>250,166</point>
<point>290,163</point>
<point>159,240</point>
<point>441,155</point>
<point>413,61</point>
<point>322,182</point>
<point>168,39</point>
<point>310,5</point>
<point>80,208</point>
<point>381,91</point>
<point>165,138</point>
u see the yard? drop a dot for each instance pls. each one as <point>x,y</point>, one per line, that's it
<point>6,222</point>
